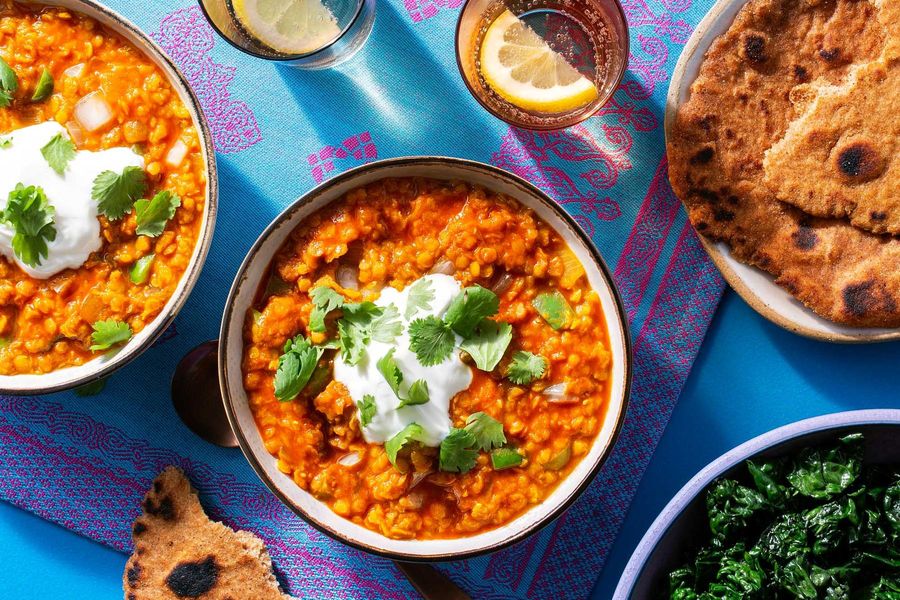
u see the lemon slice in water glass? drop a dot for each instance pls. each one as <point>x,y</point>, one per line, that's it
<point>288,26</point>
<point>524,70</point>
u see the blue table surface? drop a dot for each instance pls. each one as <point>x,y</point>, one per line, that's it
<point>750,377</point>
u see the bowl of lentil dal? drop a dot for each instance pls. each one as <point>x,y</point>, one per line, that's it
<point>425,358</point>
<point>108,203</point>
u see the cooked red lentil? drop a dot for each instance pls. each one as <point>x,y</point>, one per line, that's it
<point>391,233</point>
<point>47,324</point>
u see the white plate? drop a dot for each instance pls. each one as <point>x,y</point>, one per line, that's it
<point>755,286</point>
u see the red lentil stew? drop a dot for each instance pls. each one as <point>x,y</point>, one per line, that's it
<point>524,322</point>
<point>64,70</point>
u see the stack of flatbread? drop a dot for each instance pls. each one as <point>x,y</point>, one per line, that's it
<point>788,149</point>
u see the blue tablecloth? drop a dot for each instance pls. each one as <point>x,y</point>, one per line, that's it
<point>85,462</point>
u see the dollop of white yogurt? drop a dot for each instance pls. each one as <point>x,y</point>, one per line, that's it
<point>75,217</point>
<point>445,379</point>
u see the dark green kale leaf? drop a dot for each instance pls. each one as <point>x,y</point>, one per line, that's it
<point>830,525</point>
<point>730,507</point>
<point>768,477</point>
<point>827,471</point>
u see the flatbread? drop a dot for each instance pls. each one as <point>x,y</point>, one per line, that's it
<point>179,553</point>
<point>841,157</point>
<point>740,105</point>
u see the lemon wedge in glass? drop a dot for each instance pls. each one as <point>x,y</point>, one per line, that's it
<point>524,70</point>
<point>288,26</point>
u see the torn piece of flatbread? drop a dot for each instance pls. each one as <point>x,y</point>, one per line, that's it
<point>841,157</point>
<point>179,553</point>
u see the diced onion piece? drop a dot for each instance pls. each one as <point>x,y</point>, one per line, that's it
<point>418,477</point>
<point>350,460</point>
<point>503,283</point>
<point>416,500</point>
<point>93,112</point>
<point>74,70</point>
<point>176,154</point>
<point>347,278</point>
<point>572,269</point>
<point>444,266</point>
<point>558,394</point>
<point>75,132</point>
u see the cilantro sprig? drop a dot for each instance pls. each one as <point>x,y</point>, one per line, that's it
<point>324,301</point>
<point>363,322</point>
<point>459,450</point>
<point>116,193</point>
<point>295,367</point>
<point>58,152</point>
<point>432,340</point>
<point>109,333</point>
<point>488,344</point>
<point>526,367</point>
<point>367,409</point>
<point>411,433</point>
<point>9,83</point>
<point>416,394</point>
<point>152,215</point>
<point>30,214</point>
<point>5,142</point>
<point>467,309</point>
<point>421,295</point>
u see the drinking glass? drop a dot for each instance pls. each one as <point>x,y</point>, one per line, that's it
<point>592,35</point>
<point>354,20</point>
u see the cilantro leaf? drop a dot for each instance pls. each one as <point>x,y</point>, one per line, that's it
<point>44,87</point>
<point>109,333</point>
<point>363,322</point>
<point>505,458</point>
<point>9,83</point>
<point>526,367</point>
<point>391,372</point>
<point>457,453</point>
<point>468,309</point>
<point>58,152</point>
<point>31,216</point>
<point>324,301</point>
<point>411,433</point>
<point>488,345</point>
<point>152,215</point>
<point>553,308</point>
<point>140,270</point>
<point>367,409</point>
<point>418,394</point>
<point>421,295</point>
<point>5,142</point>
<point>432,340</point>
<point>386,326</point>
<point>295,367</point>
<point>486,430</point>
<point>116,193</point>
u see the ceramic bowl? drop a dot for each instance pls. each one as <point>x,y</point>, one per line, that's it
<point>255,268</point>
<point>755,286</point>
<point>676,527</point>
<point>102,366</point>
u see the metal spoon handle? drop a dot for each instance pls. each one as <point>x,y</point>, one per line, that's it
<point>431,583</point>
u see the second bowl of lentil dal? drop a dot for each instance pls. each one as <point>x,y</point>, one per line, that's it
<point>425,358</point>
<point>105,146</point>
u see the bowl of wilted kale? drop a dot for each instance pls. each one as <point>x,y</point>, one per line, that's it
<point>810,510</point>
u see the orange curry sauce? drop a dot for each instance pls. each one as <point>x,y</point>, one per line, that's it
<point>47,324</point>
<point>390,234</point>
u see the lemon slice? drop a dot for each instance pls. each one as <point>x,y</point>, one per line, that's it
<point>522,68</point>
<point>288,26</point>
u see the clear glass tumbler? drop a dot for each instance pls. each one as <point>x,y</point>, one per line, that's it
<point>348,27</point>
<point>591,35</point>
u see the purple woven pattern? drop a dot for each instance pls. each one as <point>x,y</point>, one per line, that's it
<point>49,466</point>
<point>663,353</point>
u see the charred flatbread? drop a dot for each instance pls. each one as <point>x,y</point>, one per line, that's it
<point>739,106</point>
<point>179,553</point>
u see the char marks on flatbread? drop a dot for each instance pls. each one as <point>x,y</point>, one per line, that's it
<point>742,102</point>
<point>179,553</point>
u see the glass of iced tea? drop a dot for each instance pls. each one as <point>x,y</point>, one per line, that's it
<point>310,34</point>
<point>542,64</point>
